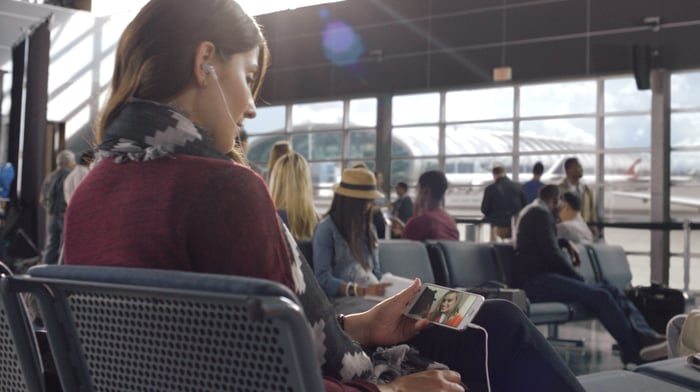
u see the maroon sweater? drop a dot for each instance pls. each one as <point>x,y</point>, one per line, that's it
<point>186,213</point>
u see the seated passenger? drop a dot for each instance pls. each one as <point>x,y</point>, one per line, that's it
<point>572,227</point>
<point>290,187</point>
<point>542,269</point>
<point>345,244</point>
<point>431,221</point>
<point>163,194</point>
<point>402,207</point>
<point>278,150</point>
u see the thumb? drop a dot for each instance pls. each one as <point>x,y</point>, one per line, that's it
<point>411,291</point>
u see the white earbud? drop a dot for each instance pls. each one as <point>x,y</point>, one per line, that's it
<point>209,70</point>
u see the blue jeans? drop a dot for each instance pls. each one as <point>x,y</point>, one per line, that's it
<point>610,305</point>
<point>54,239</point>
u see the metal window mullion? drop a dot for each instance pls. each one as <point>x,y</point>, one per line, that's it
<point>516,133</point>
<point>600,150</point>
<point>442,137</point>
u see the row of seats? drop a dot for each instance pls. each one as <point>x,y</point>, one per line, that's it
<point>125,329</point>
<point>468,265</point>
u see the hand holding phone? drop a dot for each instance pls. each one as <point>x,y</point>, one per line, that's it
<point>444,306</point>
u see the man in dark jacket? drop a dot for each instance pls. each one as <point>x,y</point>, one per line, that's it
<point>52,198</point>
<point>502,201</point>
<point>543,270</point>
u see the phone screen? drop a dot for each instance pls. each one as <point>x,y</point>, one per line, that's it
<point>444,306</point>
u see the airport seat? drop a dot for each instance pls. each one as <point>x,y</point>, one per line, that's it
<point>438,264</point>
<point>626,381</point>
<point>20,365</point>
<point>406,258</point>
<point>674,370</point>
<point>612,263</point>
<point>469,264</point>
<point>126,328</point>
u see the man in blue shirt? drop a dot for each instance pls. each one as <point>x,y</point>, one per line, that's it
<point>531,187</point>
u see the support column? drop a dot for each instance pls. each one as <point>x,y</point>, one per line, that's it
<point>660,172</point>
<point>27,139</point>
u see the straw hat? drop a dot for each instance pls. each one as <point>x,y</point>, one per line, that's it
<point>358,184</point>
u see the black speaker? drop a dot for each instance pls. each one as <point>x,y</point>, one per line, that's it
<point>641,61</point>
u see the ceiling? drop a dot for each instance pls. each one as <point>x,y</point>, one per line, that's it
<point>18,18</point>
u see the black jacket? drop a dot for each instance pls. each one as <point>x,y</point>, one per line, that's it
<point>502,200</point>
<point>537,248</point>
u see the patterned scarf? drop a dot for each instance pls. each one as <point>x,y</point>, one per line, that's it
<point>147,130</point>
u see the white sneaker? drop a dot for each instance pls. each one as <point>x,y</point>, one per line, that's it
<point>653,352</point>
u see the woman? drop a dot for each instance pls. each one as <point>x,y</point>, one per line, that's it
<point>345,244</point>
<point>278,150</point>
<point>290,187</point>
<point>163,194</point>
<point>447,309</point>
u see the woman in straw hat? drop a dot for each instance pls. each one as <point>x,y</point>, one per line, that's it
<point>345,244</point>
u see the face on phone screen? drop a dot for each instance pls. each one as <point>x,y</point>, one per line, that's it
<point>444,306</point>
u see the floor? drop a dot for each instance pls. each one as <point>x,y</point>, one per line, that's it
<point>595,355</point>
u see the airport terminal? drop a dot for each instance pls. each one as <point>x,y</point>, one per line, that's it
<point>591,102</point>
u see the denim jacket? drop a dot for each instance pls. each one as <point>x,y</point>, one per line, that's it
<point>333,261</point>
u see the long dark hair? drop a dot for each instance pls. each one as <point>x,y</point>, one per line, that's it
<point>155,55</point>
<point>354,221</point>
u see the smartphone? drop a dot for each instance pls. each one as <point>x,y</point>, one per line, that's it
<point>443,306</point>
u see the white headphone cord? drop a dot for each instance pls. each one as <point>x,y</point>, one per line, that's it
<point>486,350</point>
<point>210,70</point>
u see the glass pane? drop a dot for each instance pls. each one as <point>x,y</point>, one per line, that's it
<point>576,134</point>
<point>623,95</point>
<point>315,146</point>
<point>323,176</point>
<point>414,142</point>
<point>675,278</point>
<point>408,170</point>
<point>259,148</point>
<point>268,120</point>
<point>684,167</point>
<point>363,112</point>
<point>415,109</point>
<point>685,129</point>
<point>633,241</point>
<point>684,90</point>
<point>474,171</point>
<point>370,164</point>
<point>484,138</point>
<point>628,168</point>
<point>317,116</point>
<point>474,105</point>
<point>685,199</point>
<point>558,99</point>
<point>628,131</point>
<point>362,144</point>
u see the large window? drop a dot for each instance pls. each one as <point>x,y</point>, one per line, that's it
<point>604,122</point>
